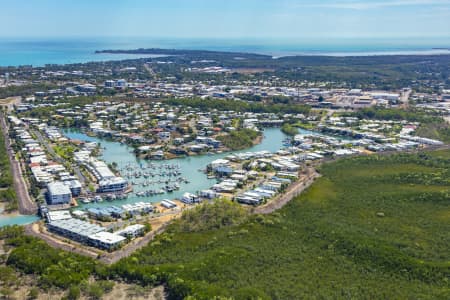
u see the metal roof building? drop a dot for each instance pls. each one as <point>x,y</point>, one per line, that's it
<point>86,233</point>
<point>75,229</point>
<point>132,231</point>
<point>58,215</point>
<point>58,193</point>
<point>106,240</point>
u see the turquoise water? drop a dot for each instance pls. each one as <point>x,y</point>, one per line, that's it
<point>38,52</point>
<point>17,220</point>
<point>189,166</point>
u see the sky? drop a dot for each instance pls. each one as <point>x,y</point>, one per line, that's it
<point>225,18</point>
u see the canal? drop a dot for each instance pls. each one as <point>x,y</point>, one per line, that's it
<point>189,167</point>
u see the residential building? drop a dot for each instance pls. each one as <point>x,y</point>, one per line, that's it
<point>58,193</point>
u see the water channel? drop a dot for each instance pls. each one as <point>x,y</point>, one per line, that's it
<point>189,167</point>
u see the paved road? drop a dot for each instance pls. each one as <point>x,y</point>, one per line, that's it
<point>109,258</point>
<point>43,141</point>
<point>33,230</point>
<point>50,150</point>
<point>293,191</point>
<point>132,247</point>
<point>27,206</point>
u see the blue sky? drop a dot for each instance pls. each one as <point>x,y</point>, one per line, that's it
<point>225,18</point>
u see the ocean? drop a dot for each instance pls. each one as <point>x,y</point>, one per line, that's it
<point>38,52</point>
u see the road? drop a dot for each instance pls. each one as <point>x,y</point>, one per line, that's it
<point>34,230</point>
<point>293,191</point>
<point>107,258</point>
<point>27,206</point>
<point>129,249</point>
<point>275,204</point>
<point>50,150</point>
<point>56,157</point>
<point>150,70</point>
<point>404,98</point>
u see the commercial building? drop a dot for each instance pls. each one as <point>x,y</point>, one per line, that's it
<point>101,170</point>
<point>208,194</point>
<point>106,212</point>
<point>189,198</point>
<point>168,204</point>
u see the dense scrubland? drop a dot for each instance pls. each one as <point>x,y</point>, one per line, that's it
<point>239,106</point>
<point>371,227</point>
<point>239,139</point>
<point>7,193</point>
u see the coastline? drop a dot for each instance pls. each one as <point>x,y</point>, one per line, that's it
<point>161,52</point>
<point>81,50</point>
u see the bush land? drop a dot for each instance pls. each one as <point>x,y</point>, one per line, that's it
<point>363,230</point>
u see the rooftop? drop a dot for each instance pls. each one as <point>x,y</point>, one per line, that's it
<point>58,188</point>
<point>107,238</point>
<point>78,227</point>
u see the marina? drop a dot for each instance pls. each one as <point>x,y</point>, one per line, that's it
<point>154,180</point>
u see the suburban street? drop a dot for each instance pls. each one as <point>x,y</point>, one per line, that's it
<point>43,141</point>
